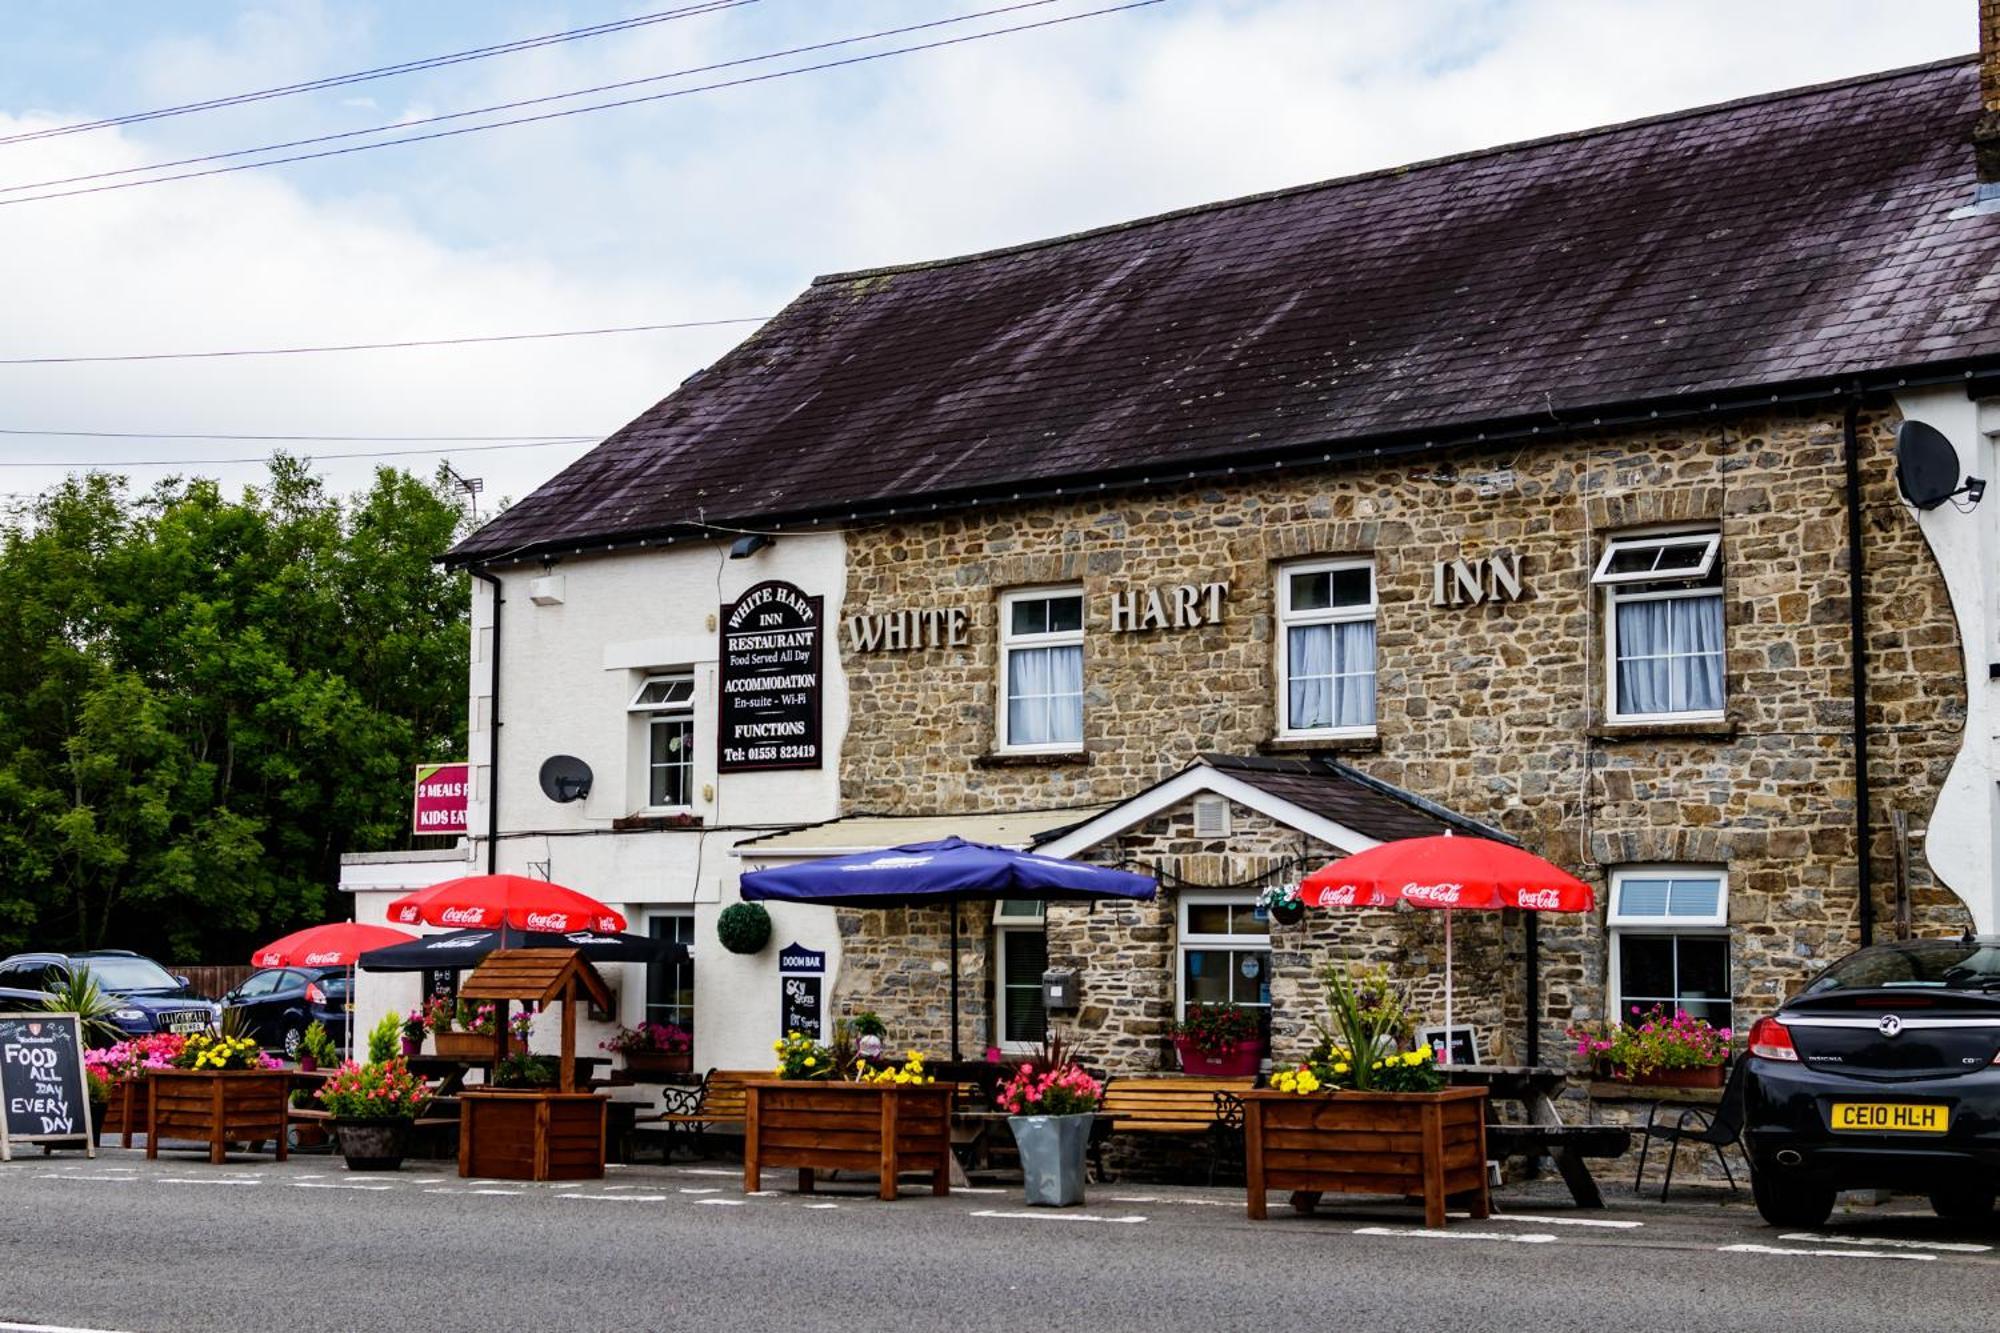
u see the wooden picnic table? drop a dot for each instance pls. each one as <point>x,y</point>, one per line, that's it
<point>1535,1088</point>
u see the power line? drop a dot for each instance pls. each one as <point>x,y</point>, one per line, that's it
<point>546,437</point>
<point>377,347</point>
<point>510,106</point>
<point>265,458</point>
<point>381,71</point>
<point>603,106</point>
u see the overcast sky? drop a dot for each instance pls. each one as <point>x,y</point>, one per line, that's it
<point>719,204</point>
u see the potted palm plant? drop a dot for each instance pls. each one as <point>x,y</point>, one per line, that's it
<point>373,1107</point>
<point>1219,1040</point>
<point>1050,1103</point>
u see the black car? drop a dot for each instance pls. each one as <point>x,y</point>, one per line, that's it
<point>150,998</point>
<point>280,1003</point>
<point>1881,1074</point>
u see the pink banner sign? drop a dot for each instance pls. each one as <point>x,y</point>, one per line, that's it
<point>443,793</point>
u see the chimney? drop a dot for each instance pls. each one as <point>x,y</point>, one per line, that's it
<point>1986,134</point>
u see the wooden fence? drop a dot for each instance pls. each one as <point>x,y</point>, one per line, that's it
<point>213,981</point>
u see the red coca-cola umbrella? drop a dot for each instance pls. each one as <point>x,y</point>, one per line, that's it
<point>1450,873</point>
<point>502,901</point>
<point>336,944</point>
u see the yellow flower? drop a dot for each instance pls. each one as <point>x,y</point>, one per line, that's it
<point>810,1062</point>
<point>1340,1068</point>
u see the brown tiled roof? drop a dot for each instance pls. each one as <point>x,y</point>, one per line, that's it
<point>1797,238</point>
<point>1345,795</point>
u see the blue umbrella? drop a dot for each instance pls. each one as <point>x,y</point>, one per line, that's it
<point>945,873</point>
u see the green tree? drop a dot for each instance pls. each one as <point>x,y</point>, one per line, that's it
<point>206,700</point>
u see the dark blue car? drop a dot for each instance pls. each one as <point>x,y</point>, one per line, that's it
<point>150,998</point>
<point>280,1003</point>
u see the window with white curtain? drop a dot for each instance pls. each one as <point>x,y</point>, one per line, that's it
<point>665,703</point>
<point>1326,648</point>
<point>1663,626</point>
<point>1041,670</point>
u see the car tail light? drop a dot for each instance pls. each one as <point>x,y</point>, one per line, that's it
<point>314,995</point>
<point>1772,1040</point>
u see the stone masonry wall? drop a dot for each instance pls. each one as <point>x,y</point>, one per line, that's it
<point>1494,710</point>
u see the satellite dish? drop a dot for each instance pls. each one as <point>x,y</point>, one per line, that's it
<point>565,778</point>
<point>1926,465</point>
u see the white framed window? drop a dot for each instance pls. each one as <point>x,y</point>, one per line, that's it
<point>1224,951</point>
<point>1020,956</point>
<point>1663,628</point>
<point>1326,648</point>
<point>670,986</point>
<point>1041,670</point>
<point>666,703</point>
<point>1669,928</point>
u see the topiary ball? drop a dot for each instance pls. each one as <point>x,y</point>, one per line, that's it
<point>743,927</point>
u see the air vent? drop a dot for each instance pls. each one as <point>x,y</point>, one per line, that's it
<point>1211,817</point>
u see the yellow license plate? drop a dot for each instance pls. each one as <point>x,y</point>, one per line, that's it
<point>1890,1118</point>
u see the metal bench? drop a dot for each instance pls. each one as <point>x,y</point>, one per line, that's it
<point>1172,1104</point>
<point>719,1101</point>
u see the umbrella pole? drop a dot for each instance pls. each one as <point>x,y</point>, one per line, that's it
<point>954,981</point>
<point>1447,985</point>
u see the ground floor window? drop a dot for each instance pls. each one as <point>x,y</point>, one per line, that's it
<point>1224,951</point>
<point>1670,942</point>
<point>1020,956</point>
<point>670,986</point>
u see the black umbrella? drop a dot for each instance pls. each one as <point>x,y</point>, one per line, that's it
<point>464,948</point>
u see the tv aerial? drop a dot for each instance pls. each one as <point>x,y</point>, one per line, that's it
<point>1927,468</point>
<point>565,778</point>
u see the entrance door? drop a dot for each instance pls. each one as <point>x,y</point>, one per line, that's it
<point>1020,956</point>
<point>670,986</point>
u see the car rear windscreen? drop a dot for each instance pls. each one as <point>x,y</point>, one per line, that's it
<point>1917,964</point>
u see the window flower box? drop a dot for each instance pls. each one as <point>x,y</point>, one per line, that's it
<point>1704,1076</point>
<point>473,1045</point>
<point>1231,1061</point>
<point>218,1108</point>
<point>1428,1145</point>
<point>824,1125</point>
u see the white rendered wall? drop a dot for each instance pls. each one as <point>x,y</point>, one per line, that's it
<point>1962,842</point>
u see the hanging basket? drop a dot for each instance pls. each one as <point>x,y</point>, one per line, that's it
<point>744,928</point>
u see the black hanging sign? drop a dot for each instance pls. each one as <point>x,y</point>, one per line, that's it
<point>44,1097</point>
<point>771,655</point>
<point>799,1008</point>
<point>796,958</point>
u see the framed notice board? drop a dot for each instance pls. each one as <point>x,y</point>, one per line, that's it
<point>43,1096</point>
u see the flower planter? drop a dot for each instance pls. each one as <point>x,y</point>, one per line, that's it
<point>644,1063</point>
<point>1288,914</point>
<point>125,1114</point>
<point>879,1128</point>
<point>1429,1145</point>
<point>1707,1076</point>
<point>217,1108</point>
<point>1052,1156</point>
<point>1235,1061</point>
<point>531,1134</point>
<point>373,1144</point>
<point>472,1045</point>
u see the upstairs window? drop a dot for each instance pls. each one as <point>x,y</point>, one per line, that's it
<point>1326,648</point>
<point>1041,670</point>
<point>1663,626</point>
<point>667,704</point>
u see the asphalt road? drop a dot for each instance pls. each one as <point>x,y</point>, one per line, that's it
<point>122,1244</point>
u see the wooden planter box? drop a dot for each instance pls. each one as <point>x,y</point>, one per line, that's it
<point>245,1106</point>
<point>125,1113</point>
<point>1708,1076</point>
<point>1428,1145</point>
<point>471,1045</point>
<point>875,1128</point>
<point>531,1134</point>
<point>642,1064</point>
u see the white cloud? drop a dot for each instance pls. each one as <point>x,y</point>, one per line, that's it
<point>725,203</point>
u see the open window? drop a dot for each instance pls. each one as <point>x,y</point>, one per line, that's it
<point>1669,930</point>
<point>664,703</point>
<point>1663,627</point>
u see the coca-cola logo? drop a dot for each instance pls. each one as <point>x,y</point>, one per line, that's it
<point>1435,895</point>
<point>269,960</point>
<point>1341,897</point>
<point>462,916</point>
<point>1546,900</point>
<point>557,921</point>
<point>408,915</point>
<point>322,959</point>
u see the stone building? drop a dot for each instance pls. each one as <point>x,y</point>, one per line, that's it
<point>1518,494</point>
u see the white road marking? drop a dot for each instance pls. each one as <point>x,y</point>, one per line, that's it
<point>1060,1217</point>
<point>508,1194</point>
<point>707,1171</point>
<point>336,1185</point>
<point>706,1189</point>
<point>1822,1254</point>
<point>1604,1222</point>
<point>1439,1233</point>
<point>625,1187</point>
<point>726,1203</point>
<point>51,1328</point>
<point>822,1205</point>
<point>78,1175</point>
<point>1952,1246</point>
<point>617,1198</point>
<point>978,1189</point>
<point>204,1180</point>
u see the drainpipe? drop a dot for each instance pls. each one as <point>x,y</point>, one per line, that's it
<point>1857,648</point>
<point>492,728</point>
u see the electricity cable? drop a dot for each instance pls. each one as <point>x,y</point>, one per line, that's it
<point>377,347</point>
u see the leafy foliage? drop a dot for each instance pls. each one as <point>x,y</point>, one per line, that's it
<point>1214,1029</point>
<point>318,1043</point>
<point>78,993</point>
<point>385,1039</point>
<point>743,927</point>
<point>207,700</point>
<point>380,1091</point>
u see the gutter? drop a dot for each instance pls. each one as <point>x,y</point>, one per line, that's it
<point>1857,651</point>
<point>485,576</point>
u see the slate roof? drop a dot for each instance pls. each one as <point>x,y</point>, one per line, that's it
<point>1799,237</point>
<point>1336,791</point>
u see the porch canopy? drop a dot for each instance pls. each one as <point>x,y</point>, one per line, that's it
<point>944,874</point>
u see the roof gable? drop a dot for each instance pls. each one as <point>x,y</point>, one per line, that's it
<point>1802,236</point>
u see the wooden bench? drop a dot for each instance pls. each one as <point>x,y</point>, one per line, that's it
<point>1171,1104</point>
<point>1567,1146</point>
<point>720,1100</point>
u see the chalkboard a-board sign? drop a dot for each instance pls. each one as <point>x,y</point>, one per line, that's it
<point>799,1008</point>
<point>770,679</point>
<point>43,1095</point>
